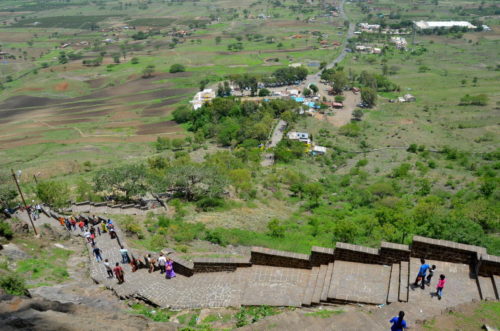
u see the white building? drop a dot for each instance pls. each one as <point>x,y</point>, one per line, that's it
<point>202,97</point>
<point>300,136</point>
<point>318,150</point>
<point>423,25</point>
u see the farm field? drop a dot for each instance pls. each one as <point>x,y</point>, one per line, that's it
<point>79,112</point>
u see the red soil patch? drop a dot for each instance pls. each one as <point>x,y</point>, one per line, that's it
<point>30,89</point>
<point>61,86</point>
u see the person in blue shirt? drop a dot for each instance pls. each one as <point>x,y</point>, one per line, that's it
<point>398,323</point>
<point>421,273</point>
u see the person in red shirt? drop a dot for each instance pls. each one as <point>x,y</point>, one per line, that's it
<point>81,225</point>
<point>119,273</point>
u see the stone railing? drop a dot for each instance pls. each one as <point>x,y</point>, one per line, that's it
<point>220,264</point>
<point>108,208</point>
<point>266,256</point>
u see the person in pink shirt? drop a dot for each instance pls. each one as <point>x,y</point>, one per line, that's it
<point>440,286</point>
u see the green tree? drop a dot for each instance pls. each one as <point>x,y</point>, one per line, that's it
<point>174,68</point>
<point>8,190</point>
<point>148,71</point>
<point>182,114</point>
<point>218,40</point>
<point>195,181</point>
<point>134,60</point>
<point>264,92</point>
<point>124,182</point>
<point>275,228</point>
<point>306,92</point>
<point>314,88</point>
<point>116,57</point>
<point>369,96</point>
<point>339,81</point>
<point>53,193</point>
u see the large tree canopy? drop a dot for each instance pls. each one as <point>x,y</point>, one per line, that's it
<point>123,181</point>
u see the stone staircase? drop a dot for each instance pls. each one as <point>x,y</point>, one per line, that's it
<point>348,274</point>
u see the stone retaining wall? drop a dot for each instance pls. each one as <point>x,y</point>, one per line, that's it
<point>321,255</point>
<point>107,208</point>
<point>444,250</point>
<point>489,265</point>
<point>266,256</point>
<point>220,264</point>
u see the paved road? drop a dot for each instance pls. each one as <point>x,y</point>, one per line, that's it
<point>315,78</point>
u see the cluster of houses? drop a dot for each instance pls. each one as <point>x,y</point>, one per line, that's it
<point>376,28</point>
<point>304,137</point>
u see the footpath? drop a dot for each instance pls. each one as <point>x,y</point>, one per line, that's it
<point>379,280</point>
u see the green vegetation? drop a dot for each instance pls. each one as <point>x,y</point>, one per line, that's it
<point>13,284</point>
<point>156,314</point>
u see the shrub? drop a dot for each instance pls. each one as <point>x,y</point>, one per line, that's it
<point>13,284</point>
<point>174,68</point>
<point>276,230</point>
<point>215,237</point>
<point>264,92</point>
<point>6,230</point>
<point>207,204</point>
<point>350,130</point>
<point>182,114</point>
<point>53,193</point>
<point>475,100</point>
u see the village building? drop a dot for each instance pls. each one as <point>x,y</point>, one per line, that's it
<point>202,97</point>
<point>424,25</point>
<point>300,136</point>
<point>318,150</point>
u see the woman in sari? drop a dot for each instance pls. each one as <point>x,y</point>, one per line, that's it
<point>169,269</point>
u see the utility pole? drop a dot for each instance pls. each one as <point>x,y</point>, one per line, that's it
<point>24,201</point>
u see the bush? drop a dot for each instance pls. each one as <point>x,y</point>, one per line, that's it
<point>13,284</point>
<point>53,193</point>
<point>207,204</point>
<point>131,227</point>
<point>475,100</point>
<point>276,230</point>
<point>6,230</point>
<point>350,130</point>
<point>215,237</point>
<point>264,92</point>
<point>177,68</point>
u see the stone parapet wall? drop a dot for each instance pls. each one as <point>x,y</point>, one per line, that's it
<point>356,253</point>
<point>443,250</point>
<point>489,265</point>
<point>220,264</point>
<point>321,255</point>
<point>394,253</point>
<point>106,208</point>
<point>271,257</point>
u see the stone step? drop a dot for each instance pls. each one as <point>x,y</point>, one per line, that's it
<point>326,284</point>
<point>309,290</point>
<point>393,293</point>
<point>403,281</point>
<point>496,284</point>
<point>486,288</point>
<point>318,289</point>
